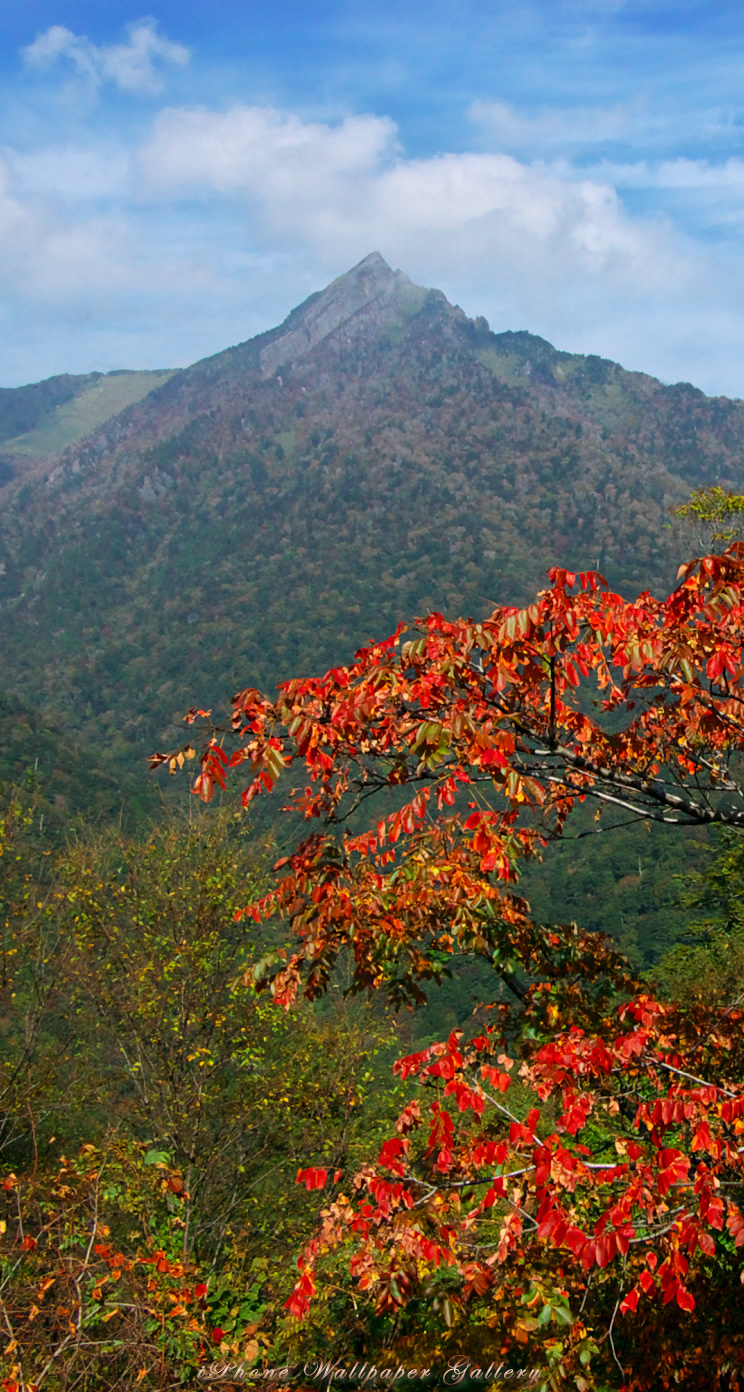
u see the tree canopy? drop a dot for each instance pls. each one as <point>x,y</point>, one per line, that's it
<point>566,1172</point>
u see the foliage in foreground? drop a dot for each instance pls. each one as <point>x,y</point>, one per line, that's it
<point>592,1210</point>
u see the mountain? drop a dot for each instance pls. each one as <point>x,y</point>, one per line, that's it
<point>267,510</point>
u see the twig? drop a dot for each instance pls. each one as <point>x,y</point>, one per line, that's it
<point>612,1344</point>
<point>586,1292</point>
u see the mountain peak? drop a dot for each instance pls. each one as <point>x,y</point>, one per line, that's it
<point>374,261</point>
<point>367,294</point>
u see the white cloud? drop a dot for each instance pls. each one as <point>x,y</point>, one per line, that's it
<point>15,219</point>
<point>70,172</point>
<point>678,173</point>
<point>56,260</point>
<point>131,66</point>
<point>258,150</point>
<point>706,196</point>
<point>557,127</point>
<point>632,124</point>
<point>90,263</point>
<point>343,189</point>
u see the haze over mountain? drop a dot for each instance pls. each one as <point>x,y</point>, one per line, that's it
<point>269,509</point>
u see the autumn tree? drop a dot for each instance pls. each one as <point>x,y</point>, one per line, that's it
<point>566,1173</point>
<point>157,1108</point>
<point>713,516</point>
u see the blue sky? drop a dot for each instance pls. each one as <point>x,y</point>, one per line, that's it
<point>175,179</point>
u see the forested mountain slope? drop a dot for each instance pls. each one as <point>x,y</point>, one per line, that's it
<point>267,510</point>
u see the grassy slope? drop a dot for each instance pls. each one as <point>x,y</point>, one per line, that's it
<point>66,422</point>
<point>24,408</point>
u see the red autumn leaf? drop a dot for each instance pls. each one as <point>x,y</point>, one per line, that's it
<point>312,1178</point>
<point>685,1299</point>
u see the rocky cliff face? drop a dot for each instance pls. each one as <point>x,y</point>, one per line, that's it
<point>362,301</point>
